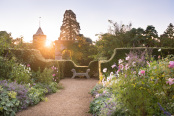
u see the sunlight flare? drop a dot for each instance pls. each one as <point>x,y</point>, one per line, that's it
<point>48,43</point>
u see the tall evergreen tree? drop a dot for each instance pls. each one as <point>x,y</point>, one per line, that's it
<point>70,27</point>
<point>151,36</point>
<point>170,31</point>
<point>167,39</point>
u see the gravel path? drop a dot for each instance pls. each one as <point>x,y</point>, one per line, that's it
<point>73,100</point>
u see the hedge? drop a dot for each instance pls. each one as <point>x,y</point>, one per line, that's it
<point>36,61</point>
<point>120,53</point>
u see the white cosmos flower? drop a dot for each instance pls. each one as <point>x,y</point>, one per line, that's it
<point>120,61</point>
<point>159,50</point>
<point>127,58</point>
<point>105,70</point>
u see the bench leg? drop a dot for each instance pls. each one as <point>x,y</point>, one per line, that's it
<point>87,76</point>
<point>73,76</point>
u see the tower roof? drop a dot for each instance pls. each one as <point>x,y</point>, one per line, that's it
<point>39,32</point>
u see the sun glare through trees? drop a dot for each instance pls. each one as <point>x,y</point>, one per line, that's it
<point>47,43</point>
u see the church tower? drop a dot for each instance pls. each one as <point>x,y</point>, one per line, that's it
<point>39,39</point>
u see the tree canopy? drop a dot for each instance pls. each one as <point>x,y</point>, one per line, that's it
<point>70,27</point>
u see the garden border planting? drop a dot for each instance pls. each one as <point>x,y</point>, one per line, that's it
<point>36,61</point>
<point>120,53</point>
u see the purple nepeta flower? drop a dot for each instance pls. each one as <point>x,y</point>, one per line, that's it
<point>165,112</point>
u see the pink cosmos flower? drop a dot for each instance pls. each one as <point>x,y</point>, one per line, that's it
<point>114,65</point>
<point>171,64</point>
<point>159,57</point>
<point>52,67</point>
<point>104,91</point>
<point>170,81</point>
<point>126,66</point>
<point>28,65</point>
<point>142,72</point>
<point>54,75</point>
<point>121,66</point>
<point>148,63</point>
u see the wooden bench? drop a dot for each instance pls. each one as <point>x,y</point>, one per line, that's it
<point>80,74</point>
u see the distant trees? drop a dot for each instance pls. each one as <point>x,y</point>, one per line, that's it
<point>70,27</point>
<point>151,36</point>
<point>83,51</point>
<point>5,39</point>
<point>120,36</point>
<point>115,38</point>
<point>167,39</point>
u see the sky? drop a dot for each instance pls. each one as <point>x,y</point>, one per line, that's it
<point>21,17</point>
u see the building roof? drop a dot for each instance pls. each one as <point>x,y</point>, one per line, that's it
<point>39,32</point>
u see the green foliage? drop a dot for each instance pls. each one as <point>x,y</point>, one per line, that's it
<point>94,69</point>
<point>20,73</point>
<point>167,39</point>
<point>36,61</point>
<point>120,53</point>
<point>105,103</point>
<point>44,77</point>
<point>145,91</point>
<point>36,94</point>
<point>70,27</point>
<point>82,51</point>
<point>121,36</point>
<point>8,102</point>
<point>96,104</point>
<point>5,40</point>
<point>140,86</point>
<point>9,69</point>
<point>15,97</point>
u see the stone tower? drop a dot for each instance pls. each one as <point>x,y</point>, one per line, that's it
<point>39,39</point>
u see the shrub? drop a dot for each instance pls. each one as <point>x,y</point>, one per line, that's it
<point>36,61</point>
<point>140,86</point>
<point>16,94</point>
<point>43,77</point>
<point>8,102</point>
<point>9,69</point>
<point>144,86</point>
<point>20,73</point>
<point>15,97</point>
<point>36,94</point>
<point>120,53</point>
